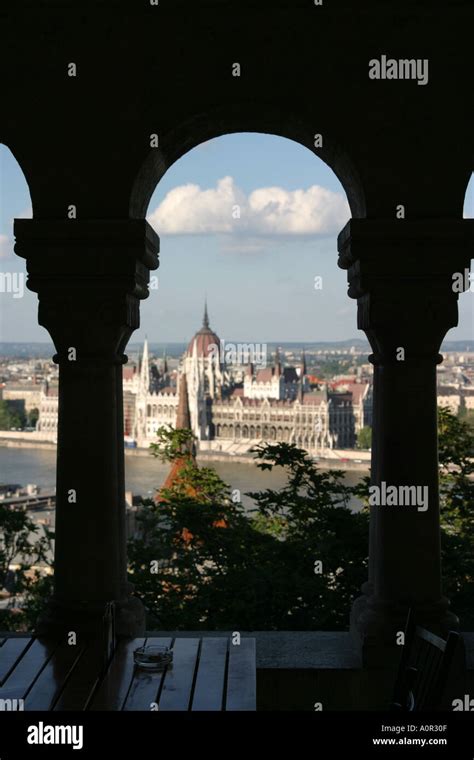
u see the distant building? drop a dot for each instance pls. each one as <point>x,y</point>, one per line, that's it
<point>28,394</point>
<point>48,409</point>
<point>272,403</point>
<point>456,398</point>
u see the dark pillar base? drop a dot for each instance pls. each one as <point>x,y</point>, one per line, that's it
<point>375,626</point>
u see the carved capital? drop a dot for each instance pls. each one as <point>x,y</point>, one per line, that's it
<point>401,273</point>
<point>90,277</point>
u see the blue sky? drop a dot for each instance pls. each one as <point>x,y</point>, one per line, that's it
<point>248,220</point>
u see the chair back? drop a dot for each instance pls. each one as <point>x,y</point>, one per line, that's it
<point>424,668</point>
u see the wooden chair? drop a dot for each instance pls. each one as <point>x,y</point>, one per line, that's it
<point>424,668</point>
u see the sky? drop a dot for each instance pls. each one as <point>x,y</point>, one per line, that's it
<point>248,221</point>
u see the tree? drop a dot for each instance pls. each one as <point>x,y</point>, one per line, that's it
<point>32,417</point>
<point>364,438</point>
<point>27,589</point>
<point>457,513</point>
<point>295,562</point>
<point>194,563</point>
<point>9,416</point>
<point>201,561</point>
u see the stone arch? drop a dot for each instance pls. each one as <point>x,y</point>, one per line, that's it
<point>236,117</point>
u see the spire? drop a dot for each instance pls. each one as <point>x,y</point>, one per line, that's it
<point>303,365</point>
<point>205,321</point>
<point>178,466</point>
<point>145,369</point>
<point>183,419</point>
<point>301,379</point>
<point>277,363</point>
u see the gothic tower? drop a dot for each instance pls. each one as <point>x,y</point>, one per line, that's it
<point>204,368</point>
<point>142,396</point>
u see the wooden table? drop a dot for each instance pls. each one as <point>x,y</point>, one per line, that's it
<point>206,674</point>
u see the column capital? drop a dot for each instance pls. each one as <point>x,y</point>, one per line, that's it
<point>401,273</point>
<point>90,276</point>
<point>402,242</point>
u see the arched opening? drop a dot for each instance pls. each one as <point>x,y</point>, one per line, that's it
<point>238,118</point>
<point>216,201</point>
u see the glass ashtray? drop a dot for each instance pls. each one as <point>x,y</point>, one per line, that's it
<point>153,657</point>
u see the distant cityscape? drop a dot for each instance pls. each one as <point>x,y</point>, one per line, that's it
<point>318,396</point>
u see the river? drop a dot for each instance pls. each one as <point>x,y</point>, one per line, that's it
<point>143,474</point>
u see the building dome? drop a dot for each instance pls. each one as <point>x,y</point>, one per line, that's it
<point>203,340</point>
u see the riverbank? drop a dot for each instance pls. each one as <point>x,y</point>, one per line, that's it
<point>340,459</point>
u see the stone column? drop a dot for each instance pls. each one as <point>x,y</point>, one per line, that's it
<point>90,276</point>
<point>401,273</point>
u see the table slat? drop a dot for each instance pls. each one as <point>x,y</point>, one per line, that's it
<point>210,680</point>
<point>145,685</point>
<point>28,668</point>
<point>114,688</point>
<point>53,677</point>
<point>10,653</point>
<point>241,677</point>
<point>82,681</point>
<point>177,685</point>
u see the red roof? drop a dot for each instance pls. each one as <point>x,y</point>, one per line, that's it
<point>203,340</point>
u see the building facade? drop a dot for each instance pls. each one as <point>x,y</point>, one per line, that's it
<point>270,403</point>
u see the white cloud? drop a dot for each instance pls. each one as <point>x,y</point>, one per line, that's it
<point>267,211</point>
<point>6,246</point>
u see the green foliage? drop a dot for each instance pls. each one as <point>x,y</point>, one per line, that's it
<point>32,417</point>
<point>172,443</point>
<point>331,367</point>
<point>21,545</point>
<point>9,416</point>
<point>364,438</point>
<point>457,514</point>
<point>313,524</point>
<point>220,568</point>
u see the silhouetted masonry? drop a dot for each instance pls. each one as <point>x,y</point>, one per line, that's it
<point>84,141</point>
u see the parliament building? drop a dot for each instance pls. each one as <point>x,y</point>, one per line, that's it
<point>233,407</point>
